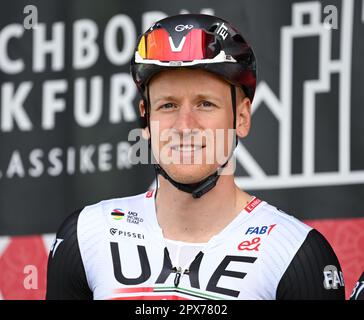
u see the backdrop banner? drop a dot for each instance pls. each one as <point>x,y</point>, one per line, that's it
<point>68,105</point>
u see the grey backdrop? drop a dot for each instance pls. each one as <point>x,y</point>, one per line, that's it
<point>37,204</point>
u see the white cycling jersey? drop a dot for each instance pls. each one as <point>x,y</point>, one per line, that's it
<point>121,254</point>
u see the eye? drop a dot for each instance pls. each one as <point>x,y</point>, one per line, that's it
<point>207,104</point>
<point>167,106</point>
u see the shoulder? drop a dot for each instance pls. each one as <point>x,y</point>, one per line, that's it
<point>67,232</point>
<point>284,217</point>
<point>287,226</point>
<point>95,221</point>
<point>311,269</point>
<point>284,226</point>
<point>79,244</point>
<point>85,223</point>
<point>302,262</point>
<point>113,207</point>
<point>66,277</point>
<point>69,225</point>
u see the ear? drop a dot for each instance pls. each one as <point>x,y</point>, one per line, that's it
<point>143,120</point>
<point>243,117</point>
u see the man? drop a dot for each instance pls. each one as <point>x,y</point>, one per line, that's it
<point>197,236</point>
<point>358,291</point>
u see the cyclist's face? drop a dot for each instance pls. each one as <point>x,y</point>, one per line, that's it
<point>192,122</point>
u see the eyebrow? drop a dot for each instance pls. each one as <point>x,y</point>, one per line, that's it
<point>164,98</point>
<point>200,96</point>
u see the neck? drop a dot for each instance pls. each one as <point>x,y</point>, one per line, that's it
<point>196,220</point>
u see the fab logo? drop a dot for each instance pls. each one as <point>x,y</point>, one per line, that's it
<point>260,229</point>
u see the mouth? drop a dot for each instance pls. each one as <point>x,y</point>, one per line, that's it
<point>187,148</point>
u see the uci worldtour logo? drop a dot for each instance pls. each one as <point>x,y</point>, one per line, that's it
<point>131,216</point>
<point>117,214</point>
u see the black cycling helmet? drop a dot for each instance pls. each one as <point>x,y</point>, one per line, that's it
<point>194,41</point>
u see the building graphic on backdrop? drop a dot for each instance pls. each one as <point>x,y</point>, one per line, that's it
<point>281,107</point>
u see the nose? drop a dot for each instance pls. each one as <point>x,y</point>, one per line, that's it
<point>186,119</point>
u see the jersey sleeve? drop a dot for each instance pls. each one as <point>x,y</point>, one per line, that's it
<point>314,272</point>
<point>66,277</point>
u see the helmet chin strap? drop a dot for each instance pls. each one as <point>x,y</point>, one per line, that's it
<point>197,189</point>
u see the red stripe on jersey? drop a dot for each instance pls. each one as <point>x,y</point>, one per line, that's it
<point>149,194</point>
<point>252,205</point>
<point>134,289</point>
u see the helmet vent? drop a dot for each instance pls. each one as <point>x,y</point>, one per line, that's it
<point>238,38</point>
<point>213,28</point>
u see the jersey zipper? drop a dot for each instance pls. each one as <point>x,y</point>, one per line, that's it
<point>178,275</point>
